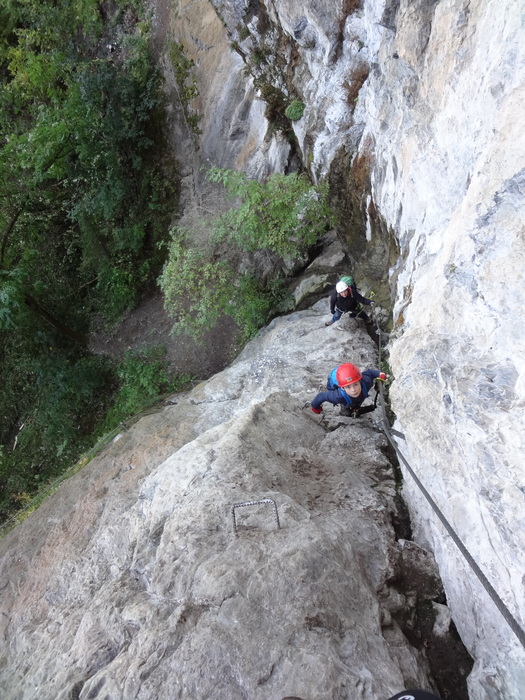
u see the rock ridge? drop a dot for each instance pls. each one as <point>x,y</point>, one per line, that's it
<point>130,582</point>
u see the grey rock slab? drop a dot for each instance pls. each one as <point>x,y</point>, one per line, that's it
<point>130,581</point>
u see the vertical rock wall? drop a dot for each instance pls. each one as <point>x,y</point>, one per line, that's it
<point>232,129</point>
<point>445,113</point>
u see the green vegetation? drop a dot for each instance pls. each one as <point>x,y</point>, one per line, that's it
<point>275,104</point>
<point>198,291</point>
<point>85,204</point>
<point>142,379</point>
<point>187,282</point>
<point>281,217</point>
<point>86,199</point>
<point>295,110</point>
<point>257,57</point>
<point>243,31</point>
<point>284,215</point>
<point>186,84</point>
<point>77,176</point>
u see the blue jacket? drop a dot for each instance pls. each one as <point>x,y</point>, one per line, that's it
<point>336,395</point>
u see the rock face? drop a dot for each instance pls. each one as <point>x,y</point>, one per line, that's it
<point>415,111</point>
<point>450,176</point>
<point>131,582</point>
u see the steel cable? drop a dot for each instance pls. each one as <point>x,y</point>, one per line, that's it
<point>503,609</point>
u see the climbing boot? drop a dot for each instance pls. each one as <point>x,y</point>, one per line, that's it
<point>328,323</point>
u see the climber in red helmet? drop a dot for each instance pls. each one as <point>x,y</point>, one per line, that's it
<point>348,387</point>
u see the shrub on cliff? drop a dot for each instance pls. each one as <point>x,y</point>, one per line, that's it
<point>198,290</point>
<point>281,218</point>
<point>295,110</point>
<point>283,215</point>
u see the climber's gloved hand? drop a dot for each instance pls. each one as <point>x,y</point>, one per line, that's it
<point>383,377</point>
<point>317,410</point>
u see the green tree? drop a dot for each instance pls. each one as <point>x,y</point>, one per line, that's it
<point>197,290</point>
<point>84,202</point>
<point>76,162</point>
<point>283,215</point>
<point>142,378</point>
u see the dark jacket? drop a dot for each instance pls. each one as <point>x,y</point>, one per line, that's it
<point>338,396</point>
<point>349,303</point>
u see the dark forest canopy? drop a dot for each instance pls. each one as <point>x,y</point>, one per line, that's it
<point>83,195</point>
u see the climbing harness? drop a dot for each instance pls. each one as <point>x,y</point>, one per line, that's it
<point>503,609</point>
<point>361,410</point>
<point>367,409</point>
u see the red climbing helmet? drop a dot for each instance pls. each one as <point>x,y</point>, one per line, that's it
<point>347,374</point>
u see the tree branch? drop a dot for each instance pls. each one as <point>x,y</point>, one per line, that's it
<point>61,327</point>
<point>6,234</point>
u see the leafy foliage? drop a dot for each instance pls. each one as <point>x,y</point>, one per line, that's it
<point>281,217</point>
<point>50,404</point>
<point>275,104</point>
<point>186,83</point>
<point>295,110</point>
<point>182,67</point>
<point>85,200</point>
<point>11,298</point>
<point>62,404</point>
<point>76,162</point>
<point>243,31</point>
<point>256,301</point>
<point>198,291</point>
<point>284,215</point>
<point>143,378</point>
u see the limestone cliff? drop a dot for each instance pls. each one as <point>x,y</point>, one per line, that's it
<point>414,111</point>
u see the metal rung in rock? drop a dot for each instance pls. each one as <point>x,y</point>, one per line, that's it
<point>255,503</point>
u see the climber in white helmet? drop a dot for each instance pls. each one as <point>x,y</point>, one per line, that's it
<point>346,299</point>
